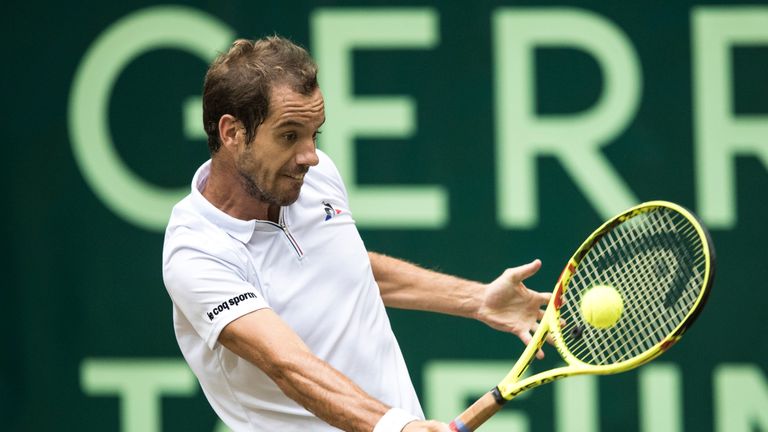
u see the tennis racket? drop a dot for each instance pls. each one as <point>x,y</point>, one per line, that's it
<point>659,259</point>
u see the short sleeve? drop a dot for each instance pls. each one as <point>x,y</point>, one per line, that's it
<point>209,289</point>
<point>331,173</point>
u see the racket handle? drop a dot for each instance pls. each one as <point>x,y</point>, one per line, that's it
<point>479,412</point>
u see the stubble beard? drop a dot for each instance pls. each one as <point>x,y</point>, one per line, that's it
<point>255,191</point>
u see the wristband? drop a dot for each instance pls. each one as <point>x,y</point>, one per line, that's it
<point>394,420</point>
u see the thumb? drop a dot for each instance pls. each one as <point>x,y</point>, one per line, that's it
<point>525,271</point>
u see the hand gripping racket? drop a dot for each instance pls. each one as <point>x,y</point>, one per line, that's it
<point>659,259</point>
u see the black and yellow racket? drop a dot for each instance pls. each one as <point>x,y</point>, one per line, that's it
<point>628,293</point>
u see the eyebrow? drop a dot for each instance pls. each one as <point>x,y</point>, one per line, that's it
<point>287,123</point>
<point>291,122</point>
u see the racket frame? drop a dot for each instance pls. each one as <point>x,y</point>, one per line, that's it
<point>512,384</point>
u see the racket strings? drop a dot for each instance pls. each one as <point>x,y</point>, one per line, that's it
<point>614,345</point>
<point>629,335</point>
<point>649,307</point>
<point>655,261</point>
<point>622,338</point>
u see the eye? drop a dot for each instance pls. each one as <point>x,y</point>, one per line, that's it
<point>290,136</point>
<point>314,136</point>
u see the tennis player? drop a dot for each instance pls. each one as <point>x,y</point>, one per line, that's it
<point>278,308</point>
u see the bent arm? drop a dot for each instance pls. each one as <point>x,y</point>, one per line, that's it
<point>264,339</point>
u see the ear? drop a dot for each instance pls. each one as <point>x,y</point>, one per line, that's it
<point>231,131</point>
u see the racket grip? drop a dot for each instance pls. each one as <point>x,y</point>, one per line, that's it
<point>480,411</point>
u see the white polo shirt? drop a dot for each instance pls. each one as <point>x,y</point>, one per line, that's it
<point>312,269</point>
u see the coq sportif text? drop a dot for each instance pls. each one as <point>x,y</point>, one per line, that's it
<point>225,305</point>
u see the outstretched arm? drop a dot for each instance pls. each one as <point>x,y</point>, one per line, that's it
<point>505,304</point>
<point>263,339</point>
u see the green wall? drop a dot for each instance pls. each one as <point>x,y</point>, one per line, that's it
<point>473,136</point>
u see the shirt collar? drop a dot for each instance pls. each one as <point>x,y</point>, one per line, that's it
<point>237,228</point>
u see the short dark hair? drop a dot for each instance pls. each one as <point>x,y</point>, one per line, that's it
<point>239,82</point>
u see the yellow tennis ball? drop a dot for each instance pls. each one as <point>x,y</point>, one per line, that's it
<point>602,306</point>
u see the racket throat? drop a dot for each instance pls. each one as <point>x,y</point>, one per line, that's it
<point>496,393</point>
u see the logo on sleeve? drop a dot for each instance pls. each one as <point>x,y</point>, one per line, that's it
<point>330,212</point>
<point>225,305</point>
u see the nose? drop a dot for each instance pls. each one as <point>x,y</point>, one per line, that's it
<point>307,155</point>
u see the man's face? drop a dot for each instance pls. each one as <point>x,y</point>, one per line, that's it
<point>273,165</point>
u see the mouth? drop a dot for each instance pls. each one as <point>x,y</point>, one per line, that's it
<point>298,178</point>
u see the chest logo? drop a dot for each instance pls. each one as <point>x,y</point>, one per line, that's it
<point>330,212</point>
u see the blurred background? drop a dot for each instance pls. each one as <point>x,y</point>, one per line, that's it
<point>473,136</point>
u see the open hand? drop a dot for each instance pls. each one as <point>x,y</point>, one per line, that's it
<point>508,305</point>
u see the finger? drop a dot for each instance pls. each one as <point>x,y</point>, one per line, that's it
<point>540,315</point>
<point>539,353</point>
<point>524,336</point>
<point>527,338</point>
<point>550,340</point>
<point>437,426</point>
<point>527,270</point>
<point>545,297</point>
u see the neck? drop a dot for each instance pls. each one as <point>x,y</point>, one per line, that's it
<point>225,191</point>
